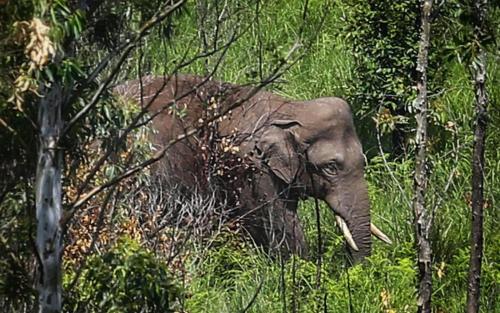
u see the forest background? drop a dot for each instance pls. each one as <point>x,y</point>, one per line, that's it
<point>124,250</point>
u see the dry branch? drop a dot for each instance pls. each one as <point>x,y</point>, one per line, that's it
<point>126,49</point>
<point>187,133</point>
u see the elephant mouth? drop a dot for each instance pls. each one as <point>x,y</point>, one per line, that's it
<point>348,235</point>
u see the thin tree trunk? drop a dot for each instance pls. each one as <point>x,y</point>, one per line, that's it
<point>422,221</point>
<point>479,67</point>
<point>48,202</point>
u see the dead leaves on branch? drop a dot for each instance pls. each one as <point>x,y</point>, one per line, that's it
<point>35,36</point>
<point>39,49</point>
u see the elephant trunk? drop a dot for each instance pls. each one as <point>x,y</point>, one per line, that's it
<point>353,216</point>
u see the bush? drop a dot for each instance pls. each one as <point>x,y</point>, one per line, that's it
<point>127,278</point>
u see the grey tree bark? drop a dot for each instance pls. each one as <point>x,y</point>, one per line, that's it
<point>479,72</point>
<point>48,201</point>
<point>422,220</point>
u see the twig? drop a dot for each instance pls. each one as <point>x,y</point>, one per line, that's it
<point>448,183</point>
<point>126,48</point>
<point>349,292</point>
<point>14,132</point>
<point>401,190</point>
<point>318,229</point>
<point>136,120</point>
<point>254,297</point>
<point>161,153</point>
<point>283,282</point>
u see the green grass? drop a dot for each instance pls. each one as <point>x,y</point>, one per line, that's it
<point>230,273</point>
<point>228,277</point>
<point>390,270</point>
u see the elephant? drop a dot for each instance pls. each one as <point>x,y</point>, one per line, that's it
<point>279,151</point>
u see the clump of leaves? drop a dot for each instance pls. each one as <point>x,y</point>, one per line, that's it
<point>383,36</point>
<point>16,282</point>
<point>127,278</point>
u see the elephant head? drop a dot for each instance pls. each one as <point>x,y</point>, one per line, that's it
<point>313,149</point>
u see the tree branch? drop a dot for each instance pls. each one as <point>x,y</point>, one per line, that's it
<point>125,48</point>
<point>187,133</point>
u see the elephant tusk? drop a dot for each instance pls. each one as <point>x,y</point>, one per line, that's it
<point>346,232</point>
<point>379,234</point>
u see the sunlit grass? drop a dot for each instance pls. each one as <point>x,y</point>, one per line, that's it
<point>230,275</point>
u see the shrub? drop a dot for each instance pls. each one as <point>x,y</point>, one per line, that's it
<point>127,278</point>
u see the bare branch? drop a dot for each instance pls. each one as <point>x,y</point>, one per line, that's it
<point>136,122</point>
<point>187,133</point>
<point>126,49</point>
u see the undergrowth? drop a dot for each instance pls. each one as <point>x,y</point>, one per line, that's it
<point>231,274</point>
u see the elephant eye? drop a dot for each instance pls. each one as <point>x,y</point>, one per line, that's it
<point>331,168</point>
<point>258,153</point>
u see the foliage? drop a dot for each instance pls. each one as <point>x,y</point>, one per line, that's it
<point>380,284</point>
<point>16,133</point>
<point>32,34</point>
<point>15,278</point>
<point>365,52</point>
<point>230,273</point>
<point>384,37</point>
<point>127,278</point>
<point>34,38</point>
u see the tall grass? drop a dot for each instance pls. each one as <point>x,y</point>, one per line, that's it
<point>234,273</point>
<point>387,282</point>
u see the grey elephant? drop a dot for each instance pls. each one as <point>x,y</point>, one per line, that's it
<point>274,152</point>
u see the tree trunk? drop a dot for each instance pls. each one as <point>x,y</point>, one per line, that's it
<point>422,221</point>
<point>479,68</point>
<point>48,201</point>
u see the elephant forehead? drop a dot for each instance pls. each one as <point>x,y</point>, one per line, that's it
<point>341,151</point>
<point>328,109</point>
<point>324,151</point>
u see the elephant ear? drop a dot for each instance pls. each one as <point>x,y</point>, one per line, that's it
<point>278,150</point>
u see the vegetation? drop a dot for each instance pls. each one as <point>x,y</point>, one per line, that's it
<point>123,254</point>
<point>127,278</point>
